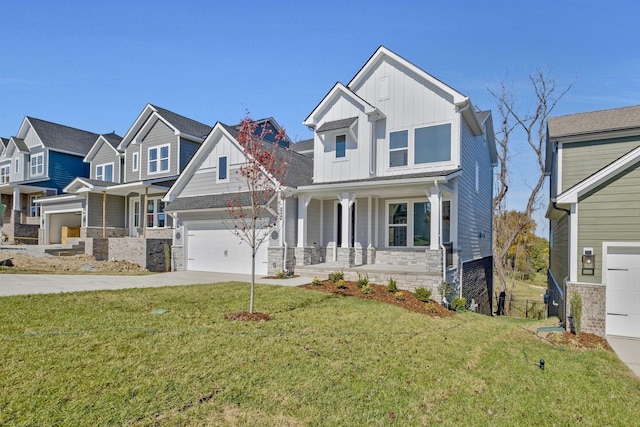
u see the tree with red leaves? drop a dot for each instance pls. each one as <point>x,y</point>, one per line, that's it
<point>254,208</point>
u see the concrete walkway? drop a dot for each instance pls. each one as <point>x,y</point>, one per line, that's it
<point>628,350</point>
<point>25,284</point>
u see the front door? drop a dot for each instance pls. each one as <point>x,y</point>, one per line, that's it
<point>134,216</point>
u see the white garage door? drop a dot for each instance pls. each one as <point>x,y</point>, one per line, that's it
<point>623,291</point>
<point>212,247</point>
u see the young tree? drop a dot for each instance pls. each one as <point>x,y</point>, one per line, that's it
<point>253,209</point>
<point>533,126</point>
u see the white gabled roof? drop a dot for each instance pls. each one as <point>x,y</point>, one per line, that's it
<point>337,91</point>
<point>572,194</point>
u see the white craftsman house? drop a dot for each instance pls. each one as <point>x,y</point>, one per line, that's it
<point>402,182</point>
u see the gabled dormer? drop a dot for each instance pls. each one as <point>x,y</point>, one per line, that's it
<point>159,144</point>
<point>17,153</point>
<point>391,119</point>
<point>105,159</point>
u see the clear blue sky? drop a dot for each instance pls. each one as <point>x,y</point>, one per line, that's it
<point>95,64</point>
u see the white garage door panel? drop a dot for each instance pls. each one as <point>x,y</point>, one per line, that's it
<point>623,292</point>
<point>211,247</point>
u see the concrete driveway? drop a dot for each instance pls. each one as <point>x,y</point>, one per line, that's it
<point>628,350</point>
<point>25,284</point>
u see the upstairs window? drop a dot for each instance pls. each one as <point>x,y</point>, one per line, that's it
<point>17,166</point>
<point>134,162</point>
<point>223,168</point>
<point>399,148</point>
<point>4,174</point>
<point>433,144</point>
<point>158,159</point>
<point>341,146</point>
<point>104,172</point>
<point>37,164</point>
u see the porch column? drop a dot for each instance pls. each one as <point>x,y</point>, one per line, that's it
<point>303,204</point>
<point>435,198</point>
<point>370,243</point>
<point>346,200</point>
<point>16,199</point>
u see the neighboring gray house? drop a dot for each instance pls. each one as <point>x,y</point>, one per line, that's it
<point>119,207</point>
<point>39,161</point>
<point>593,161</point>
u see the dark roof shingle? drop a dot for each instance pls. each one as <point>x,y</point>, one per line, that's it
<point>184,124</point>
<point>595,121</point>
<point>64,138</point>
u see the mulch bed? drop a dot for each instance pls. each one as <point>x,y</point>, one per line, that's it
<point>584,340</point>
<point>380,293</point>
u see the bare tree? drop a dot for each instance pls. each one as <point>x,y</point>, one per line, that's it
<point>254,208</point>
<point>533,126</point>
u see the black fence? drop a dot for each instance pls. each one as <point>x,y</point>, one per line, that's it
<point>525,309</point>
<point>477,284</point>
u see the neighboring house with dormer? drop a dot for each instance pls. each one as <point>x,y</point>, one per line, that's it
<point>119,207</point>
<point>402,185</point>
<point>593,162</point>
<point>198,203</point>
<point>39,161</point>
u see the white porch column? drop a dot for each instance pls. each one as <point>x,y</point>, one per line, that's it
<point>303,204</point>
<point>16,199</point>
<point>435,198</point>
<point>369,225</point>
<point>346,200</point>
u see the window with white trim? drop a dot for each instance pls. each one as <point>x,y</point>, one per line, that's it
<point>156,218</point>
<point>4,174</point>
<point>34,208</point>
<point>37,164</point>
<point>223,169</point>
<point>409,223</point>
<point>398,148</point>
<point>104,172</point>
<point>158,159</point>
<point>341,146</point>
<point>134,162</point>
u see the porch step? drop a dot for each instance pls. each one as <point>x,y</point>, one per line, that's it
<point>66,250</point>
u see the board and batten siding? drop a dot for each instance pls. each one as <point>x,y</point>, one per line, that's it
<point>291,223</point>
<point>159,134</point>
<point>314,223</point>
<point>582,159</point>
<point>187,150</point>
<point>31,139</point>
<point>559,249</point>
<point>106,154</point>
<point>64,168</point>
<point>115,211</point>
<point>474,208</point>
<point>204,180</point>
<point>609,213</point>
<point>355,164</point>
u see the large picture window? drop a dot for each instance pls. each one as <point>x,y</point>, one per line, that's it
<point>433,144</point>
<point>409,223</point>
<point>158,159</point>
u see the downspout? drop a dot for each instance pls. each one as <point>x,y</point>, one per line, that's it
<point>372,154</point>
<point>442,248</point>
<point>554,205</point>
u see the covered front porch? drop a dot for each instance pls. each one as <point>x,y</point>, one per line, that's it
<point>20,214</point>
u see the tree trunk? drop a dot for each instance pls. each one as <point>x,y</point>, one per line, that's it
<point>253,280</point>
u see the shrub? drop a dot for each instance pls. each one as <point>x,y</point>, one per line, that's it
<point>336,275</point>
<point>366,289</point>
<point>423,294</point>
<point>576,312</point>
<point>459,304</point>
<point>392,286</point>
<point>445,289</point>
<point>362,280</point>
<point>399,295</point>
<point>340,284</point>
<point>316,281</point>
<point>281,275</point>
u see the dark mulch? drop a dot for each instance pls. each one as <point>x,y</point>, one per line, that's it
<point>583,340</point>
<point>380,293</point>
<point>245,316</point>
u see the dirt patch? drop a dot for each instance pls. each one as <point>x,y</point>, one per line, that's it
<point>380,293</point>
<point>245,316</point>
<point>584,340</point>
<point>75,264</point>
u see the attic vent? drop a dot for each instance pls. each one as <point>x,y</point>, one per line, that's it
<point>383,88</point>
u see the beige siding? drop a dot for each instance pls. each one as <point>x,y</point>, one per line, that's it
<point>106,154</point>
<point>474,208</point>
<point>610,213</point>
<point>582,159</point>
<point>160,134</point>
<point>115,211</point>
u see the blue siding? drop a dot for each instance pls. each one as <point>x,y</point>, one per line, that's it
<point>187,150</point>
<point>63,168</point>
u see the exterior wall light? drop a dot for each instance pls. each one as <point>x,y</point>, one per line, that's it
<point>588,264</point>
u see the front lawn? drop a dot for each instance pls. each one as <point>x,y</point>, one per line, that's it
<point>105,358</point>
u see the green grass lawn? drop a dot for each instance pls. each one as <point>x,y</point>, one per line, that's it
<point>104,358</point>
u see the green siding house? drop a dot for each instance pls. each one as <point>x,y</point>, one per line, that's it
<point>593,161</point>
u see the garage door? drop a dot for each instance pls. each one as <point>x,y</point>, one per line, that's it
<point>623,291</point>
<point>212,247</point>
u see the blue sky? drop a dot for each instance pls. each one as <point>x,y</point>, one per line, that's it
<point>95,65</point>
